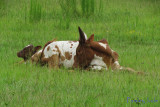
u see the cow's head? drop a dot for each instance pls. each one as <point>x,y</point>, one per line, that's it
<point>88,48</point>
<point>84,53</point>
<point>28,51</point>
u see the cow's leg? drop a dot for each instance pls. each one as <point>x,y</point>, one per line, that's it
<point>53,62</point>
<point>36,57</point>
<point>127,69</point>
<point>130,70</point>
<point>115,66</point>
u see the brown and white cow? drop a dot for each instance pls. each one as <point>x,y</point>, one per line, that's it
<point>85,53</point>
<point>61,53</point>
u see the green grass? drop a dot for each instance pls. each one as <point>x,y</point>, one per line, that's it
<point>131,28</point>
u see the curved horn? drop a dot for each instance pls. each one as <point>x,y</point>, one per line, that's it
<point>82,38</point>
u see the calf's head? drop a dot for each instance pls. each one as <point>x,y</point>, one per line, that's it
<point>84,53</point>
<point>28,51</point>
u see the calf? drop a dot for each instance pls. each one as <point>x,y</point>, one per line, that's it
<point>28,51</point>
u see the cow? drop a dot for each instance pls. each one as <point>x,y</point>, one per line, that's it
<point>57,53</point>
<point>63,53</point>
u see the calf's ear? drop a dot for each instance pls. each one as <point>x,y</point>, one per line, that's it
<point>82,38</point>
<point>37,48</point>
<point>91,38</point>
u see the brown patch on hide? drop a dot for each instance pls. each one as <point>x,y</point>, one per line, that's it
<point>53,62</point>
<point>48,48</point>
<point>68,55</point>
<point>71,45</point>
<point>115,55</point>
<point>62,58</point>
<point>60,54</point>
<point>58,49</point>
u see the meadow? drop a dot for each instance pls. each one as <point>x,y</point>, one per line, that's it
<point>132,28</point>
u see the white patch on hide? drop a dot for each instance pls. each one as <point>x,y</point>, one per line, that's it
<point>27,46</point>
<point>98,63</point>
<point>103,45</point>
<point>98,68</point>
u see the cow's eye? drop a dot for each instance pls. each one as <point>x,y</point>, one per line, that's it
<point>79,52</point>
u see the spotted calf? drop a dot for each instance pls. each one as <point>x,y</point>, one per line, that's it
<point>28,51</point>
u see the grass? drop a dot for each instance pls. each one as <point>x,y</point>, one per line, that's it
<point>131,28</point>
<point>35,11</point>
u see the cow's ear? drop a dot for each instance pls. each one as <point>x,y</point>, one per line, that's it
<point>82,36</point>
<point>91,38</point>
<point>37,48</point>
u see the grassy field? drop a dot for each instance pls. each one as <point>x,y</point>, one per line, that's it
<point>132,28</point>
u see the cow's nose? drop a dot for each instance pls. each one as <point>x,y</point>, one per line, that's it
<point>18,54</point>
